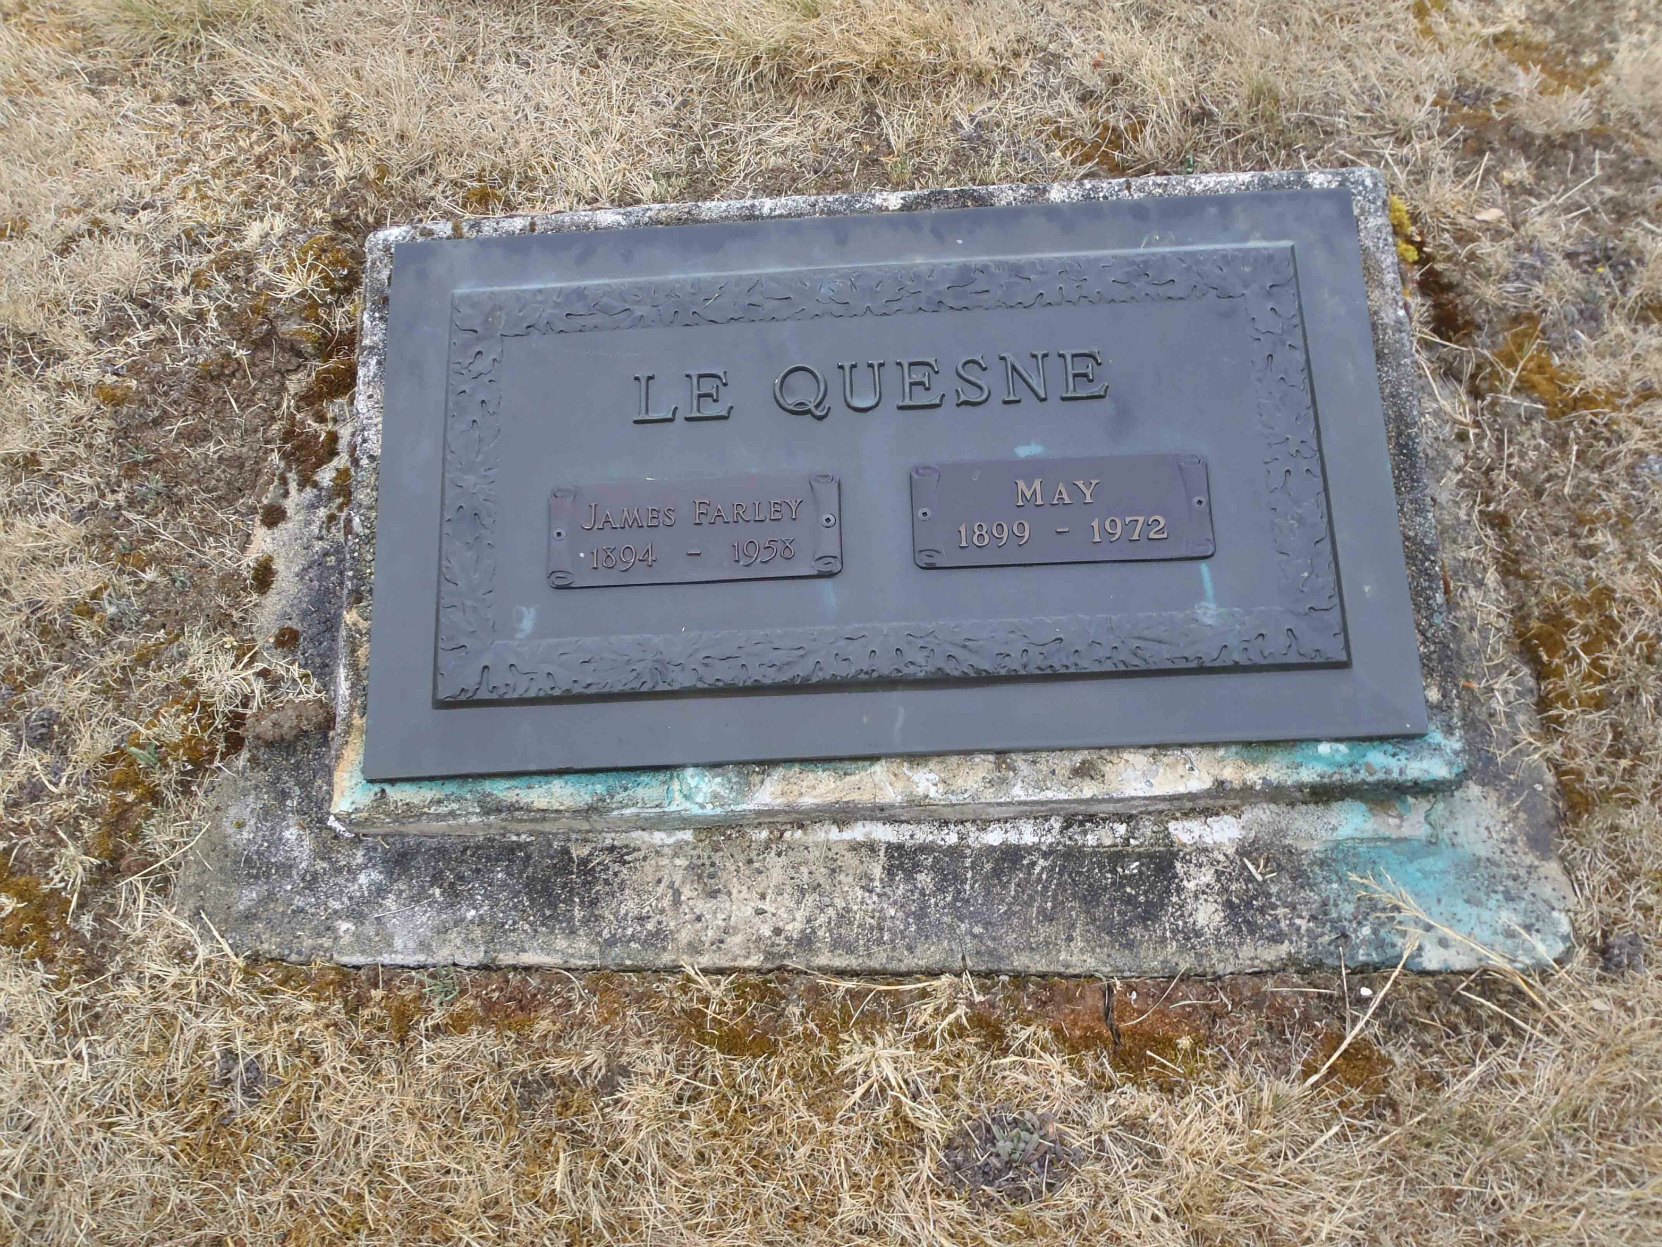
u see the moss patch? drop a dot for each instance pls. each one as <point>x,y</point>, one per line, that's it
<point>483,199</point>
<point>1104,150</point>
<point>1561,67</point>
<point>176,746</point>
<point>1142,1043</point>
<point>263,575</point>
<point>305,448</point>
<point>1362,1071</point>
<point>114,393</point>
<point>340,488</point>
<point>334,378</point>
<point>1525,356</point>
<point>330,264</point>
<point>1576,642</point>
<point>745,1021</point>
<point>36,918</point>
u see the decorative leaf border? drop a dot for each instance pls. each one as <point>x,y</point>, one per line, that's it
<point>1304,628</point>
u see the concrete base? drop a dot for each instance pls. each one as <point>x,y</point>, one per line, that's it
<point>1202,859</point>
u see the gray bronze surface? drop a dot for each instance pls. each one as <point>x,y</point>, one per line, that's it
<point>1222,343</point>
<point>1018,512</point>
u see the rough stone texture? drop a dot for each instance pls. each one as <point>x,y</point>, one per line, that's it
<point>1202,859</point>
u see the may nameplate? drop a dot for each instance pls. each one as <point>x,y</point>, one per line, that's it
<point>1013,512</point>
<point>659,532</point>
<point>1049,476</point>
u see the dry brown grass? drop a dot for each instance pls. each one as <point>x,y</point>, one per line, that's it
<point>183,188</point>
<point>817,43</point>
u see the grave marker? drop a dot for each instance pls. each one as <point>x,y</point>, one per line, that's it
<point>1035,477</point>
<point>1055,566</point>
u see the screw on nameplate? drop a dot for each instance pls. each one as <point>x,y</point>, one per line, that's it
<point>1024,512</point>
<point>656,532</point>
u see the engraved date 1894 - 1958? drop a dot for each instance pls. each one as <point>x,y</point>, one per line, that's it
<point>629,557</point>
<point>680,532</point>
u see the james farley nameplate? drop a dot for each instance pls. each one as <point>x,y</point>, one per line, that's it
<point>676,532</point>
<point>1050,476</point>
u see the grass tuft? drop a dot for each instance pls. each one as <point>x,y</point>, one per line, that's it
<point>180,25</point>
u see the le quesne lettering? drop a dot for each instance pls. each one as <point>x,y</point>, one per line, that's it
<point>919,384</point>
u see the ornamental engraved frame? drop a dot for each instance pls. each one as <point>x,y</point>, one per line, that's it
<point>1303,626</point>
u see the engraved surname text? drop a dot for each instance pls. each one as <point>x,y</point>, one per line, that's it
<point>924,383</point>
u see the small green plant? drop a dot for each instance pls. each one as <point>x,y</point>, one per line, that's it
<point>1017,1156</point>
<point>440,986</point>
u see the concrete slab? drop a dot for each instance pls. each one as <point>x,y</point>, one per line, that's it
<point>1200,858</point>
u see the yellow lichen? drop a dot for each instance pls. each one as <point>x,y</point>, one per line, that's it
<point>1408,237</point>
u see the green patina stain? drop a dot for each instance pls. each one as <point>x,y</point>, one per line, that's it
<point>1505,906</point>
<point>587,789</point>
<point>700,790</point>
<point>1432,759</point>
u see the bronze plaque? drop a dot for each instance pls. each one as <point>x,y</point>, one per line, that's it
<point>664,532</point>
<point>1018,512</point>
<point>1135,452</point>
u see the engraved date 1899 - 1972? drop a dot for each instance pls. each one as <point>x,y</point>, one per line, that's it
<point>1115,508</point>
<point>980,533</point>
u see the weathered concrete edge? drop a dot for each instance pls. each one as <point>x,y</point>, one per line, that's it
<point>1257,889</point>
<point>967,786</point>
<point>1079,781</point>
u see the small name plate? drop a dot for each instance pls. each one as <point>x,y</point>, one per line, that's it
<point>1012,512</point>
<point>656,532</point>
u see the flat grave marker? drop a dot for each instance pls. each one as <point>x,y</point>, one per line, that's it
<point>1031,578</point>
<point>1033,477</point>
